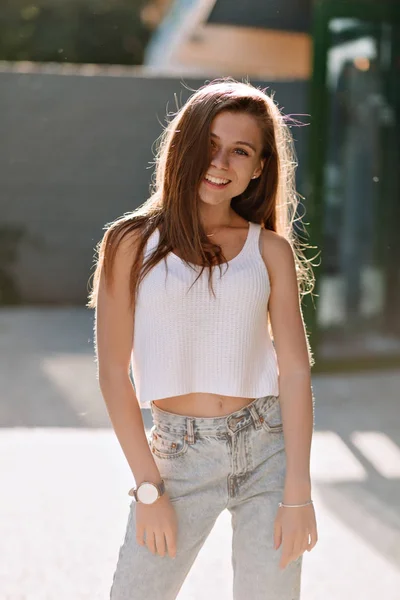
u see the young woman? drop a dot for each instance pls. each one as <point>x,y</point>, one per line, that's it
<point>199,291</point>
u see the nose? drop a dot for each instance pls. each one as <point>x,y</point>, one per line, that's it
<point>219,159</point>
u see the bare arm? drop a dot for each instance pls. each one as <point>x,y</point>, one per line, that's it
<point>294,528</point>
<point>294,369</point>
<point>114,338</point>
<point>156,524</point>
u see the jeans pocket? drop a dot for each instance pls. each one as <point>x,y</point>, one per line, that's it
<point>272,418</point>
<point>167,444</point>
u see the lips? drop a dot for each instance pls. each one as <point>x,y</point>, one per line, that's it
<point>216,182</point>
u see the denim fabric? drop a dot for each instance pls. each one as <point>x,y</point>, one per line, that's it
<point>237,462</point>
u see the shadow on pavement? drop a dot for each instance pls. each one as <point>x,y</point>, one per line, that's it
<point>48,379</point>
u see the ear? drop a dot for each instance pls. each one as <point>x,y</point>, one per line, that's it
<point>259,170</point>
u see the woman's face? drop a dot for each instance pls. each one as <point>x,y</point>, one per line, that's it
<point>236,146</point>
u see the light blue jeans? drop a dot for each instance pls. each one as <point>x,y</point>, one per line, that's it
<point>208,464</point>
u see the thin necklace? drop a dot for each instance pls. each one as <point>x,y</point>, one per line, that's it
<point>210,234</point>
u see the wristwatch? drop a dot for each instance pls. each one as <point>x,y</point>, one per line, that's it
<point>147,492</point>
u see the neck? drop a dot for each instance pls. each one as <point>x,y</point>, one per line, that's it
<point>213,222</point>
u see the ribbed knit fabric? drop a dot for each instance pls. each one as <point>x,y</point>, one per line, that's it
<point>190,341</point>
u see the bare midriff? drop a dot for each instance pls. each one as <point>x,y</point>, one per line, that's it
<point>202,405</point>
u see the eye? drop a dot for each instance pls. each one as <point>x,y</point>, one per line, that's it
<point>243,151</point>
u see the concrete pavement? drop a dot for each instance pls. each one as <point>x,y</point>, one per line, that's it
<point>63,502</point>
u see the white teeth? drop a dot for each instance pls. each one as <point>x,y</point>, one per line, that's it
<point>216,180</point>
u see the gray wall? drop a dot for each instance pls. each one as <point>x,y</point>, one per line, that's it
<point>76,154</point>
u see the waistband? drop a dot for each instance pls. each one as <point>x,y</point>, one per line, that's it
<point>216,426</point>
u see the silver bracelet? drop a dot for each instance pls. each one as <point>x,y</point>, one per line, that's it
<point>294,505</point>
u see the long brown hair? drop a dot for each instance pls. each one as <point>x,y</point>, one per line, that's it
<point>182,158</point>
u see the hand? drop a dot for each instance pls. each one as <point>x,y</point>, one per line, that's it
<point>295,526</point>
<point>159,523</point>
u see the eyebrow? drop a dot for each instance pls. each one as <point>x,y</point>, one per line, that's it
<point>242,143</point>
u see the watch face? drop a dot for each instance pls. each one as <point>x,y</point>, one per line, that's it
<point>147,493</point>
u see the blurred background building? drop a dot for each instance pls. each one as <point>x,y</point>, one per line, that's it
<point>264,40</point>
<point>85,89</point>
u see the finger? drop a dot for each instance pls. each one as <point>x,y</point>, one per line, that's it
<point>287,550</point>
<point>304,545</point>
<point>313,539</point>
<point>308,542</point>
<point>140,534</point>
<point>160,543</point>
<point>277,535</point>
<point>171,543</point>
<point>150,541</point>
<point>298,549</point>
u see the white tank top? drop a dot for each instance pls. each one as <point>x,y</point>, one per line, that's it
<point>190,341</point>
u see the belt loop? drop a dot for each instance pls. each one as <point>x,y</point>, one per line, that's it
<point>255,415</point>
<point>189,437</point>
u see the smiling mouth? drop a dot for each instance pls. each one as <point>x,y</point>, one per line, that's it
<point>216,181</point>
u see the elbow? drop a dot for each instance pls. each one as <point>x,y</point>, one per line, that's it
<point>112,377</point>
<point>299,374</point>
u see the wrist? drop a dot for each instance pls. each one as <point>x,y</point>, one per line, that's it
<point>298,505</point>
<point>295,480</point>
<point>297,490</point>
<point>148,492</point>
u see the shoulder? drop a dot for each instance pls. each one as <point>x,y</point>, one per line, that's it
<point>120,248</point>
<point>276,252</point>
<point>130,240</point>
<point>123,236</point>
